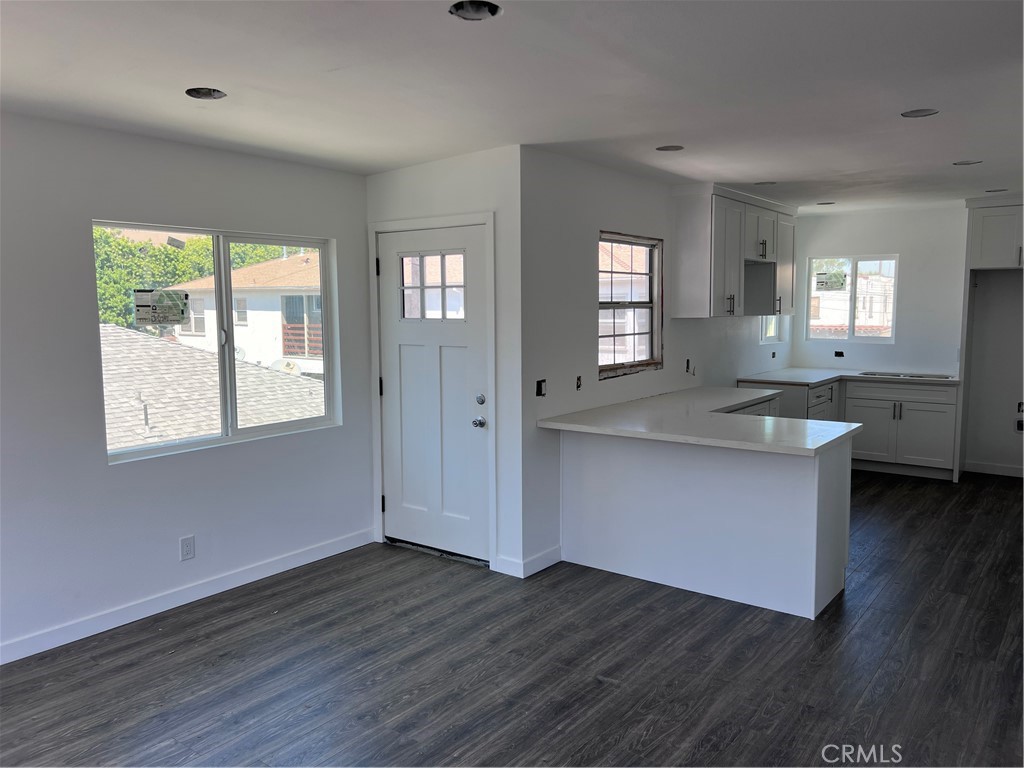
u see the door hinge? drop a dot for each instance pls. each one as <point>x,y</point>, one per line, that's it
<point>382,503</point>
<point>378,267</point>
<point>380,381</point>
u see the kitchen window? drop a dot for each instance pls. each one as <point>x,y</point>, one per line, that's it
<point>629,304</point>
<point>213,376</point>
<point>771,329</point>
<point>853,298</point>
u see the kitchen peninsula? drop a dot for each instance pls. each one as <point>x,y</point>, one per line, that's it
<point>682,490</point>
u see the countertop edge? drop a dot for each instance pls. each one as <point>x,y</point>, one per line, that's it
<point>711,442</point>
<point>770,380</point>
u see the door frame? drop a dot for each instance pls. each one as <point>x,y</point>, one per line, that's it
<point>486,219</point>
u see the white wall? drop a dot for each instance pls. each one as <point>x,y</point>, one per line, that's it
<point>481,181</point>
<point>929,289</point>
<point>87,545</point>
<point>566,204</point>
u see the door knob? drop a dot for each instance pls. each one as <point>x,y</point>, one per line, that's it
<point>480,422</point>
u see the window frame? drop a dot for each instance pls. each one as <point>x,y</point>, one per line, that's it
<point>851,328</point>
<point>243,310</point>
<point>224,326</point>
<point>190,329</point>
<point>656,305</point>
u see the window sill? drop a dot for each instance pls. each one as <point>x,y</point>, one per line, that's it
<point>613,372</point>
<point>852,340</point>
<point>127,455</point>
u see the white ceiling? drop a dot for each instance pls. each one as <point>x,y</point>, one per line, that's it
<point>807,94</point>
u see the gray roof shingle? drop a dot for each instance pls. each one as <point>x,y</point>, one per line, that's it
<point>177,387</point>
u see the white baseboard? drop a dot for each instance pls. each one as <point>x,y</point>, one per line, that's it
<point>47,639</point>
<point>539,562</point>
<point>508,565</point>
<point>523,568</point>
<point>903,469</point>
<point>993,469</point>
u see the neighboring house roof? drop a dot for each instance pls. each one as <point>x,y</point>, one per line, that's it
<point>293,272</point>
<point>620,256</point>
<point>180,387</point>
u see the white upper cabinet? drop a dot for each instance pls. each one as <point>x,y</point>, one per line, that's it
<point>724,264</point>
<point>994,238</point>
<point>727,234</point>
<point>785,270</point>
<point>760,240</point>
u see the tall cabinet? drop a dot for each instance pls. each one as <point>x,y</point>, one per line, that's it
<point>994,238</point>
<point>735,255</point>
<point>991,430</point>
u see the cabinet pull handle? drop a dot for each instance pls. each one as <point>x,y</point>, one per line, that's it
<point>901,412</point>
<point>779,310</point>
<point>764,249</point>
<point>894,411</point>
<point>731,298</point>
<point>1020,255</point>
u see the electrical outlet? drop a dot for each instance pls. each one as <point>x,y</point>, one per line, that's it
<point>542,388</point>
<point>579,383</point>
<point>188,547</point>
<point>773,355</point>
<point>840,353</point>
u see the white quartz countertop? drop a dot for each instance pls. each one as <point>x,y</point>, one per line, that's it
<point>813,377</point>
<point>694,416</point>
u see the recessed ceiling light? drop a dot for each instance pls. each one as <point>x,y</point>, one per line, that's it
<point>919,113</point>
<point>206,94</point>
<point>670,148</point>
<point>764,183</point>
<point>968,162</point>
<point>997,190</point>
<point>830,202</point>
<point>475,10</point>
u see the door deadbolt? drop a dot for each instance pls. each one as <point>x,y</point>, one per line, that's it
<point>480,399</point>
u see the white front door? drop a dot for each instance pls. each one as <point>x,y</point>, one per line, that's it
<point>434,432</point>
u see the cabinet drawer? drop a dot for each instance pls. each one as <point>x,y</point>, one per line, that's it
<point>822,411</point>
<point>822,394</point>
<point>917,393</point>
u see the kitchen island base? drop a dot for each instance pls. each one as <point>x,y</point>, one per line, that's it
<point>761,528</point>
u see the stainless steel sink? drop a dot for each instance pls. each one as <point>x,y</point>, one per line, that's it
<point>942,376</point>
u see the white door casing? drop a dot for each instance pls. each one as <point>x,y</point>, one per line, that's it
<point>434,359</point>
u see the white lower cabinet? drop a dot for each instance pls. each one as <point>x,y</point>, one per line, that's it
<point>903,432</point>
<point>877,442</point>
<point>925,434</point>
<point>767,408</point>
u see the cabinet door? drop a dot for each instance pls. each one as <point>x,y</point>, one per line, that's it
<point>760,234</point>
<point>785,258</point>
<point>995,238</point>
<point>925,434</point>
<point>877,442</point>
<point>774,406</point>
<point>727,217</point>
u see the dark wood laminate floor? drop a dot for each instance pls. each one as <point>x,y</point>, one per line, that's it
<point>383,656</point>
